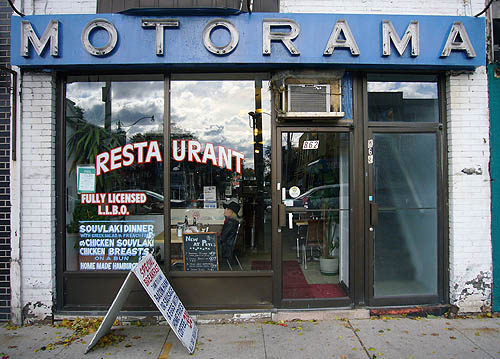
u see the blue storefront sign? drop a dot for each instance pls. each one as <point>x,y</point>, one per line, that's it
<point>258,40</point>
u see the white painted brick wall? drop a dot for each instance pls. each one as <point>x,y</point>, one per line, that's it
<point>38,232</point>
<point>429,7</point>
<point>469,195</point>
<point>46,7</point>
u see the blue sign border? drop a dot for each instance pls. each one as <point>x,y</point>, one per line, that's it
<point>184,45</point>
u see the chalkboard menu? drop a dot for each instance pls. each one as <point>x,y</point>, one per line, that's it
<point>200,251</point>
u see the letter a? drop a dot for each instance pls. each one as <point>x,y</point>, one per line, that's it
<point>458,29</point>
<point>335,41</point>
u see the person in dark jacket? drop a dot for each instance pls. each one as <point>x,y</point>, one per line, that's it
<point>227,235</point>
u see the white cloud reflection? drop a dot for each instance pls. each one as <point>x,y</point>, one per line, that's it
<point>213,111</point>
<point>131,101</point>
<point>217,112</point>
<point>410,90</point>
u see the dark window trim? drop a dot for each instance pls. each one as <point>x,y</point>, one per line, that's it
<point>440,129</point>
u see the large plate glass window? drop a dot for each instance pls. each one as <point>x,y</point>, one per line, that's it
<point>114,172</point>
<point>220,177</point>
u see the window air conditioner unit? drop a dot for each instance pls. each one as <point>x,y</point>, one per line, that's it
<point>308,100</point>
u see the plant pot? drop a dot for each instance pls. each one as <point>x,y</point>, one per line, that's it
<point>328,265</point>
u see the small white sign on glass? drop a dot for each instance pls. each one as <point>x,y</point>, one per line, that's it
<point>86,179</point>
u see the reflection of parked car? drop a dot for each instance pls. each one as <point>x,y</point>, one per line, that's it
<point>323,197</point>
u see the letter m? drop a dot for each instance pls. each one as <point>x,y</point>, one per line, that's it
<point>29,35</point>
<point>389,35</point>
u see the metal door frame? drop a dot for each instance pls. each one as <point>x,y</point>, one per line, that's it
<point>438,128</point>
<point>278,300</point>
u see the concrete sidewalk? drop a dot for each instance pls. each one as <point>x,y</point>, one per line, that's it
<point>386,337</point>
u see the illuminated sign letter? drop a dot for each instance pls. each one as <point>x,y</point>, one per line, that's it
<point>160,26</point>
<point>285,37</point>
<point>347,41</point>
<point>112,34</point>
<point>458,30</point>
<point>220,50</point>
<point>389,35</point>
<point>28,35</point>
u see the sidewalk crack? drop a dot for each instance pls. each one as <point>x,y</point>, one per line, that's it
<point>472,341</point>
<point>359,339</point>
<point>263,341</point>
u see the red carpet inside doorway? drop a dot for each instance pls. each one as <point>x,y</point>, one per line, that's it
<point>295,284</point>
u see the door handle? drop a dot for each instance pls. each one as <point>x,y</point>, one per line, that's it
<point>373,214</point>
<point>281,215</point>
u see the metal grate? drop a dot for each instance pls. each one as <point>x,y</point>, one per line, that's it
<point>309,98</point>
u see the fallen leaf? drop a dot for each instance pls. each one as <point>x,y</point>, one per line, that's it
<point>435,334</point>
<point>453,338</point>
<point>476,334</point>
<point>371,349</point>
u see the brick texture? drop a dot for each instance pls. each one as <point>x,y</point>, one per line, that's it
<point>38,217</point>
<point>406,7</point>
<point>59,7</point>
<point>5,91</point>
<point>469,191</point>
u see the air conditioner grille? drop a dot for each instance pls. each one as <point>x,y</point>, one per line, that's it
<point>309,98</point>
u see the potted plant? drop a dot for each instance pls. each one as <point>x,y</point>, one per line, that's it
<point>329,261</point>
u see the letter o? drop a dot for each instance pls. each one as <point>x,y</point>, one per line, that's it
<point>109,28</point>
<point>220,50</point>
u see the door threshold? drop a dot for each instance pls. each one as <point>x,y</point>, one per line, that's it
<point>230,316</point>
<point>320,314</point>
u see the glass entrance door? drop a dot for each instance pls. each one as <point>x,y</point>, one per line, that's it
<point>314,213</point>
<point>403,215</point>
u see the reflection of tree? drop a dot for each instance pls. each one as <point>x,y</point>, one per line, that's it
<point>146,175</point>
<point>188,179</point>
<point>88,140</point>
<point>267,163</point>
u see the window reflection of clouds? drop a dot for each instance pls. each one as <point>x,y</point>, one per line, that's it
<point>409,89</point>
<point>130,101</point>
<point>217,112</point>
